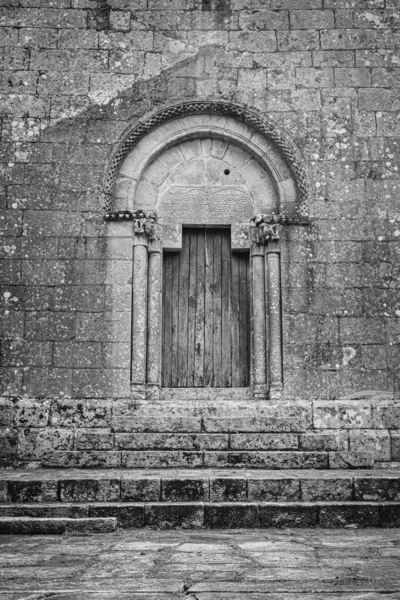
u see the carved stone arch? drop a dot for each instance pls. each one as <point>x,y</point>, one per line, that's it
<point>281,147</point>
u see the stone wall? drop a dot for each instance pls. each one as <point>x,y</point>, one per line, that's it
<point>77,74</point>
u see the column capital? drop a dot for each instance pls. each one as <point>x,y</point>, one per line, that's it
<point>268,226</point>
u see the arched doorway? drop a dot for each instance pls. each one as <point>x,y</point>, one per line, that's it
<point>206,283</point>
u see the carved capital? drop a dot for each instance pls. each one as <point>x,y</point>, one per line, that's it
<point>268,226</point>
<point>144,221</point>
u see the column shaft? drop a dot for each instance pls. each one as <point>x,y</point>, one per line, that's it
<point>274,314</point>
<point>154,316</point>
<point>258,318</point>
<point>139,309</point>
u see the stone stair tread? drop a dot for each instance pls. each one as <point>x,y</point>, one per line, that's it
<point>71,474</point>
<point>28,525</point>
<point>218,515</point>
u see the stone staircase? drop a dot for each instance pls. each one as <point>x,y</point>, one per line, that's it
<point>52,501</point>
<point>191,460</point>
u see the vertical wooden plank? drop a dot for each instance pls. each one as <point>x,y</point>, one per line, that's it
<point>175,318</point>
<point>199,324</point>
<point>209,263</point>
<point>217,305</point>
<point>226,341</point>
<point>243,320</point>
<point>167,320</point>
<point>182,366</point>
<point>235,337</point>
<point>190,237</point>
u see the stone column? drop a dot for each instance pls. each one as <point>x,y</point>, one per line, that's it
<point>274,317</point>
<point>258,318</point>
<point>139,305</point>
<point>154,320</point>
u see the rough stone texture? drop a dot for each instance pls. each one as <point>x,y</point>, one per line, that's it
<point>76,76</point>
<point>169,516</point>
<point>296,515</point>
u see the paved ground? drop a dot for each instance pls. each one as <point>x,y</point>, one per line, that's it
<point>344,564</point>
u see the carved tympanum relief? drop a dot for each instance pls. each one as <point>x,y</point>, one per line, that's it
<point>206,181</point>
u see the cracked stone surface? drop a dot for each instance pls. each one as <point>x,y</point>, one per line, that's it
<point>345,564</point>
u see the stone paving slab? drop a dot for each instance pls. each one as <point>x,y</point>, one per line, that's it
<point>344,564</point>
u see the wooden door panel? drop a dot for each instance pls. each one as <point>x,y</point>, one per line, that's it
<point>205,313</point>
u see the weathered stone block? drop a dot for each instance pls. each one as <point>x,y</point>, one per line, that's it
<point>371,440</point>
<point>341,515</point>
<point>279,489</point>
<point>129,516</point>
<point>228,489</point>
<point>172,516</point>
<point>324,488</point>
<point>34,443</point>
<point>231,515</point>
<point>157,459</point>
<point>342,414</point>
<point>386,414</point>
<point>89,490</point>
<point>264,441</point>
<point>312,19</point>
<point>95,458</point>
<point>395,445</point>
<point>8,446</point>
<point>259,424</point>
<point>297,40</point>
<point>33,491</point>
<point>267,460</point>
<point>377,488</point>
<point>351,460</point>
<point>49,511</point>
<point>140,489</point>
<point>3,491</point>
<point>184,489</point>
<point>284,515</point>
<point>324,441</point>
<point>32,413</point>
<point>389,515</point>
<point>7,412</point>
<point>81,413</point>
<point>252,41</point>
<point>126,423</point>
<point>91,439</point>
<point>170,441</point>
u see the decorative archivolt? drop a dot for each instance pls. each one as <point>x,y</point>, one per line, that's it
<point>261,125</point>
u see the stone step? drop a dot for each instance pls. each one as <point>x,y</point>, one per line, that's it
<point>194,485</point>
<point>105,517</point>
<point>48,525</point>
<point>187,459</point>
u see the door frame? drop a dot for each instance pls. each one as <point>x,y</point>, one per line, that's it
<point>266,372</point>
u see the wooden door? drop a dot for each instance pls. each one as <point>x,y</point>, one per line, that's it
<point>206,312</point>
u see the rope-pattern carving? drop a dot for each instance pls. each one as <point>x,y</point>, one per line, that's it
<point>264,125</point>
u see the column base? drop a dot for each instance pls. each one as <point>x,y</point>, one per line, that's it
<point>260,391</point>
<point>138,391</point>
<point>275,391</point>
